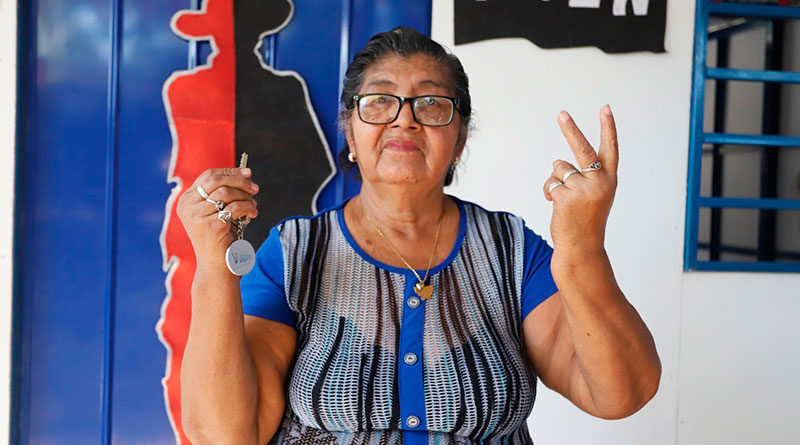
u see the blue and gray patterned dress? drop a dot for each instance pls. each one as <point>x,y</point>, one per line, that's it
<point>375,364</point>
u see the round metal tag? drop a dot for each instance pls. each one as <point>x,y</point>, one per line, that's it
<point>240,257</point>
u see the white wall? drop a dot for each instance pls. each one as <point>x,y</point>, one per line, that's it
<point>8,89</point>
<point>724,338</point>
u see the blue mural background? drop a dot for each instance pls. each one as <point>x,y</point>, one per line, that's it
<point>92,165</point>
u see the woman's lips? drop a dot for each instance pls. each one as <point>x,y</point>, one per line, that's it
<point>400,145</point>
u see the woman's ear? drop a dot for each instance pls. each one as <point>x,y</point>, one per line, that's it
<point>461,142</point>
<point>348,133</point>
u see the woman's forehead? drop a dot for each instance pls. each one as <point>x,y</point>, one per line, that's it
<point>418,70</point>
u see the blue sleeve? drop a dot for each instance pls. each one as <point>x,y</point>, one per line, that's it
<point>263,290</point>
<point>537,280</point>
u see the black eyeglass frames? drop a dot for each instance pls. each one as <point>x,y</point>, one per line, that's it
<point>431,110</point>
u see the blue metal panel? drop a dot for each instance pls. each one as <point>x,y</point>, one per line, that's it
<point>70,334</point>
<point>63,252</point>
<point>151,52</point>
<point>92,185</point>
<point>751,139</point>
<point>754,266</point>
<point>344,60</point>
<point>752,10</point>
<point>20,350</point>
<point>112,142</point>
<point>753,75</point>
<point>193,45</point>
<point>750,203</point>
<point>696,134</point>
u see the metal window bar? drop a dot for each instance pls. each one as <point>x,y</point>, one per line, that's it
<point>744,13</point>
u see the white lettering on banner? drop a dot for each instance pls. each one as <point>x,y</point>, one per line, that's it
<point>584,3</point>
<point>639,7</point>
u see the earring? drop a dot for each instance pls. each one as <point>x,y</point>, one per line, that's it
<point>455,161</point>
<point>351,157</point>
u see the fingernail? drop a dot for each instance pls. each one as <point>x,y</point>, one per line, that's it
<point>254,187</point>
<point>607,110</point>
<point>245,171</point>
<point>555,162</point>
<point>563,117</point>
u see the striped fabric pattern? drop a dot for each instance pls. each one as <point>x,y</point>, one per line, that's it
<point>343,388</point>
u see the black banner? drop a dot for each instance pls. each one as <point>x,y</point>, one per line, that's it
<point>275,123</point>
<point>614,26</point>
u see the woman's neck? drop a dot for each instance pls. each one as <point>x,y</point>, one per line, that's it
<point>408,214</point>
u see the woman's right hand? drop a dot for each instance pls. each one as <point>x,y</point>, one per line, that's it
<point>211,237</point>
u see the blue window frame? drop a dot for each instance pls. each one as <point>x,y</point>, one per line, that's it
<point>764,206</point>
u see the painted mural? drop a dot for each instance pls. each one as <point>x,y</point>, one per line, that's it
<point>235,103</point>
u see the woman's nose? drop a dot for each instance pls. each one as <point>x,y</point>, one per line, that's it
<point>406,117</point>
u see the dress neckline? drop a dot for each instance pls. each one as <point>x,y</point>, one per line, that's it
<point>462,229</point>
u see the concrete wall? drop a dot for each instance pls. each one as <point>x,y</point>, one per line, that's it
<point>723,338</point>
<point>8,89</point>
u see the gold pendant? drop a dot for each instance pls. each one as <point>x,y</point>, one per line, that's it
<point>424,292</point>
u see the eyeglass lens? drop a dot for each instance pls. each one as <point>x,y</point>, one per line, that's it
<point>428,110</point>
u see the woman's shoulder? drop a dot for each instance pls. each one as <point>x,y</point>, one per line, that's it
<point>306,220</point>
<point>479,211</point>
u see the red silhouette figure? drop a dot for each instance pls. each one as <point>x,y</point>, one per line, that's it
<point>200,106</point>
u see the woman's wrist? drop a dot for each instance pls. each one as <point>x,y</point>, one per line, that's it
<point>214,272</point>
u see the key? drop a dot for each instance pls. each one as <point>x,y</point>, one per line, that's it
<point>245,220</point>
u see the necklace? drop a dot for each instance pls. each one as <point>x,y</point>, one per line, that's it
<point>425,291</point>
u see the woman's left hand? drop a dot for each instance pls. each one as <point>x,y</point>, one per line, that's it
<point>582,204</point>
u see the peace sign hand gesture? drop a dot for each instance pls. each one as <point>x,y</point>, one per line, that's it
<point>582,199</point>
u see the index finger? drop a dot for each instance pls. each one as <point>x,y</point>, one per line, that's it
<point>583,150</point>
<point>226,171</point>
<point>213,179</point>
<point>609,148</point>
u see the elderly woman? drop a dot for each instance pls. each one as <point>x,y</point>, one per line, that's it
<point>406,315</point>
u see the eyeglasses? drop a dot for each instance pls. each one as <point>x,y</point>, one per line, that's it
<point>430,110</point>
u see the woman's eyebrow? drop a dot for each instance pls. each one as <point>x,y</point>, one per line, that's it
<point>380,82</point>
<point>389,83</point>
<point>433,83</point>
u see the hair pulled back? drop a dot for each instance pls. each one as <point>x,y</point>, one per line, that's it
<point>405,42</point>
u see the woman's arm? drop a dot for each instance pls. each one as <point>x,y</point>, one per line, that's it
<point>233,370</point>
<point>272,346</point>
<point>587,341</point>
<point>589,344</point>
<point>219,387</point>
<point>234,367</point>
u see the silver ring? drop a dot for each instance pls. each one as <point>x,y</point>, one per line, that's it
<point>554,185</point>
<point>202,191</point>
<point>224,215</point>
<point>219,204</point>
<point>594,166</point>
<point>569,173</point>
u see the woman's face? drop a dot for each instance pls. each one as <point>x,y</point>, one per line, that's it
<point>405,151</point>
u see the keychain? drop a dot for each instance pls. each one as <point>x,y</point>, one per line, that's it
<point>240,256</point>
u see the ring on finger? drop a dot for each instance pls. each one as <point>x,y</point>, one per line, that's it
<point>219,204</point>
<point>202,191</point>
<point>569,173</point>
<point>594,166</point>
<point>224,215</point>
<point>553,186</point>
